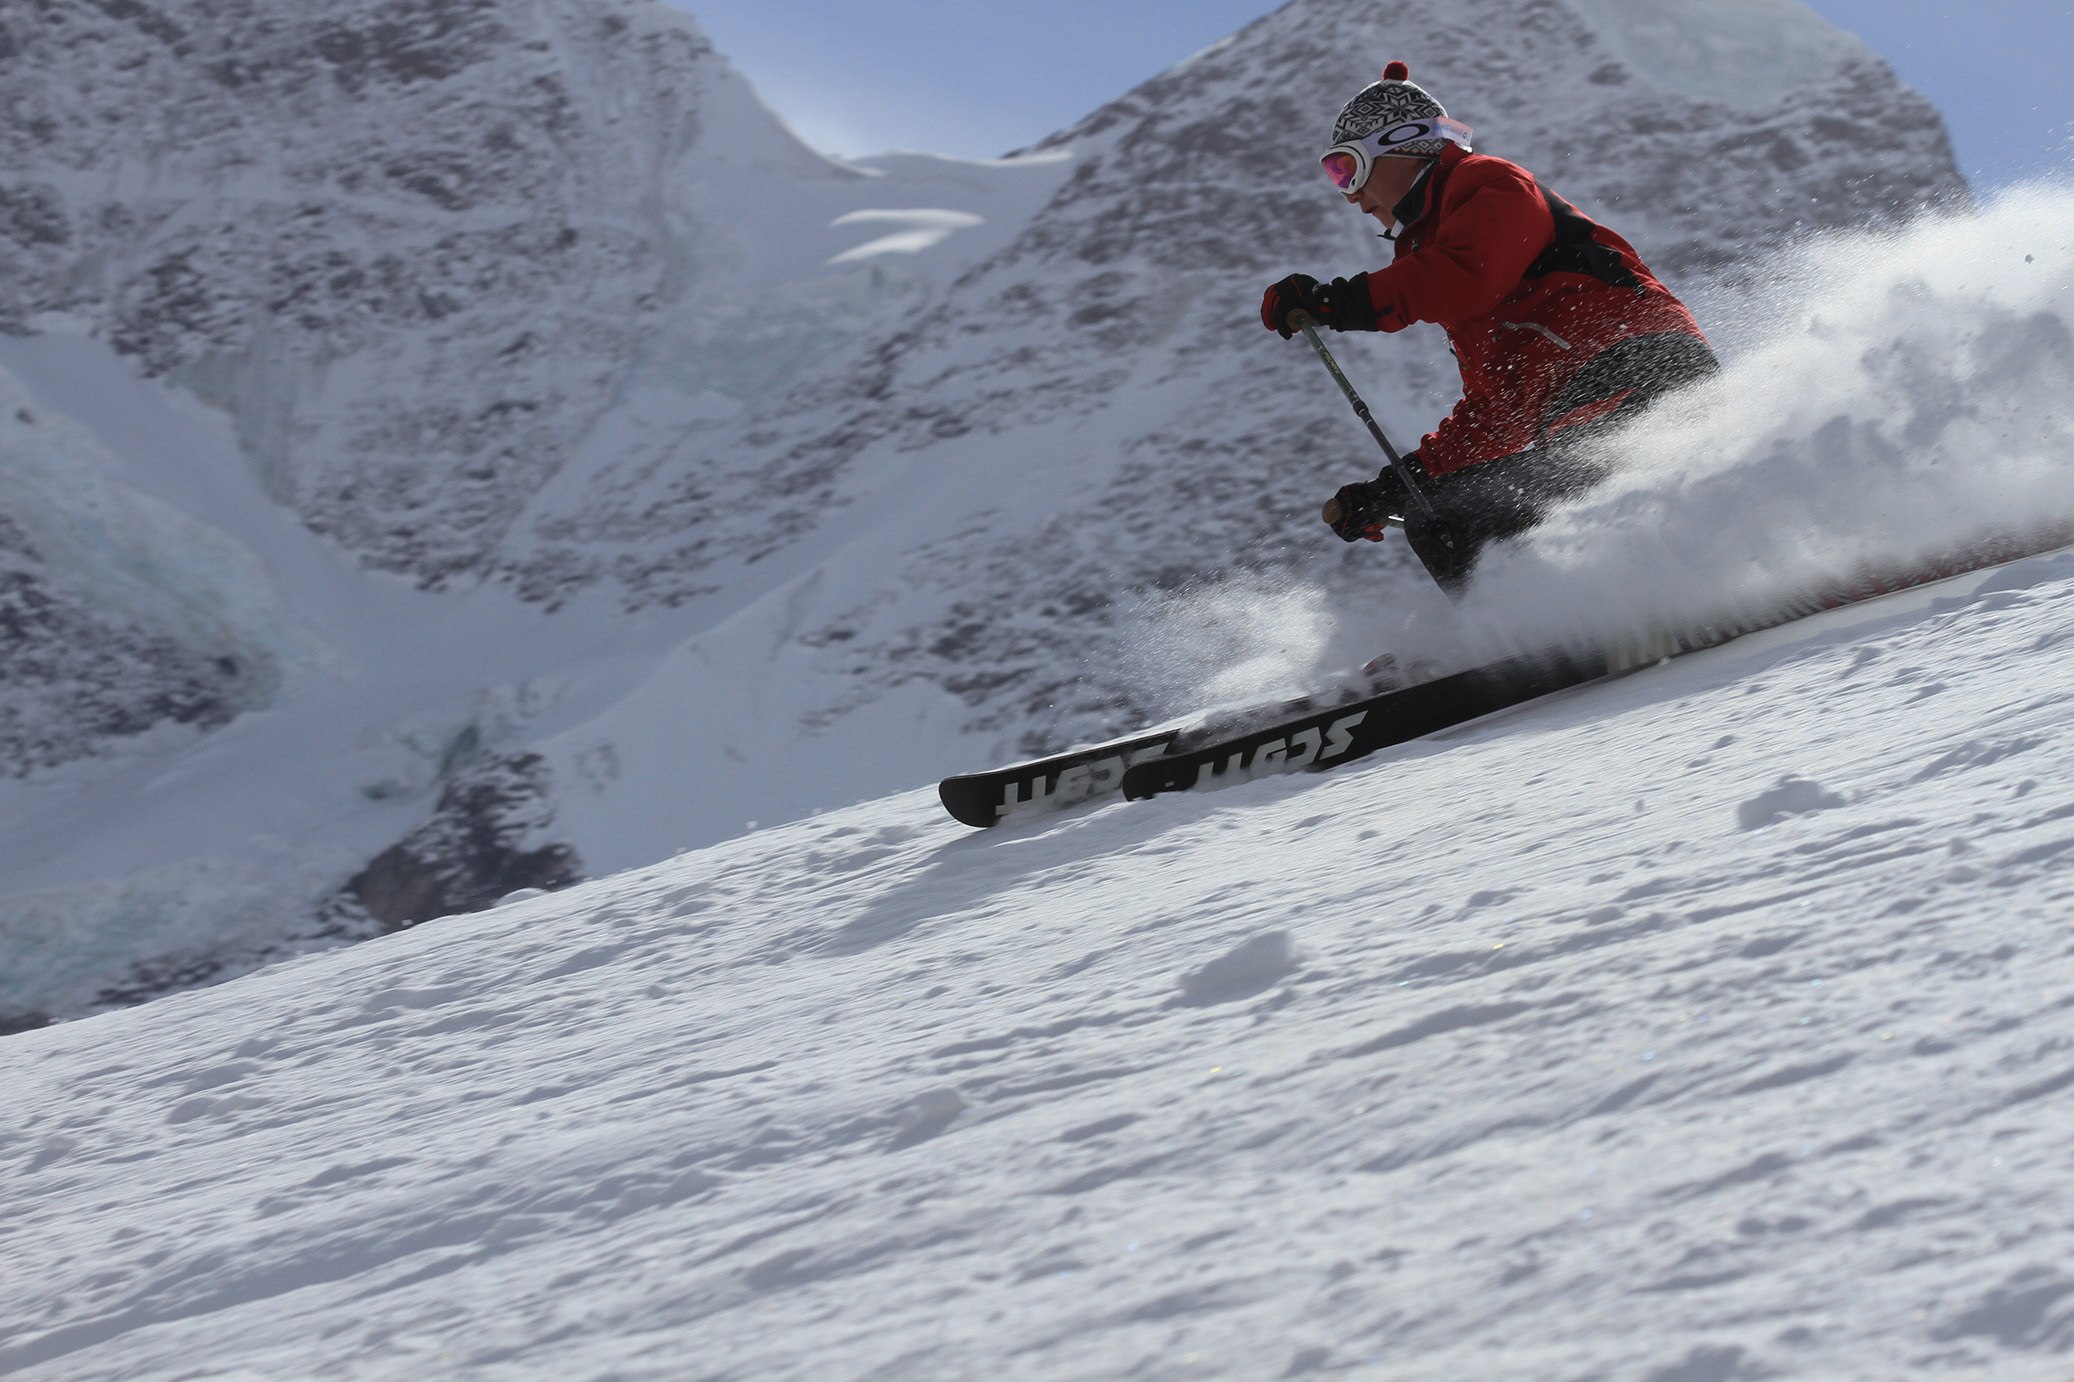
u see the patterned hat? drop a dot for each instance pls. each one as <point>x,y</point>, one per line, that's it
<point>1391,101</point>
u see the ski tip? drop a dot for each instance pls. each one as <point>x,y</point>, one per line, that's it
<point>968,802</point>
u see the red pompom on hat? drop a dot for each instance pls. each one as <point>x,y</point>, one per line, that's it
<point>1397,72</point>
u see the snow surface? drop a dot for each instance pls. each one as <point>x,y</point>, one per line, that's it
<point>1712,1024</point>
<point>1708,1025</point>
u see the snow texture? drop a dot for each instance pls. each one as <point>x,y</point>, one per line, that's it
<point>1508,1054</point>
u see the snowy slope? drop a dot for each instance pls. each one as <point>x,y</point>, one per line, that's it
<point>1709,1025</point>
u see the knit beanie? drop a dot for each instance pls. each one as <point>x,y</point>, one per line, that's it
<point>1391,101</point>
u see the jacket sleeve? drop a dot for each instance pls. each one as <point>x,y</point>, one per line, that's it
<point>1494,224</point>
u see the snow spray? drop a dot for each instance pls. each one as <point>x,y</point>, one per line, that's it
<point>1903,397</point>
<point>1251,637</point>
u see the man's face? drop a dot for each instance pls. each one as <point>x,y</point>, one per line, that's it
<point>1386,186</point>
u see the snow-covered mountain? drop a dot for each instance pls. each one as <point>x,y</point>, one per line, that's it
<point>1709,1026</point>
<point>415,249</point>
<point>187,490</point>
<point>475,444</point>
<point>1094,410</point>
<point>428,257</point>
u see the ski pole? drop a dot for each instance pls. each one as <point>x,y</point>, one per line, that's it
<point>1302,321</point>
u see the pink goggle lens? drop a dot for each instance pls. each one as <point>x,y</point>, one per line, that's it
<point>1343,168</point>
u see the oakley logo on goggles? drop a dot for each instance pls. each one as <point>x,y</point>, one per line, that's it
<point>1348,165</point>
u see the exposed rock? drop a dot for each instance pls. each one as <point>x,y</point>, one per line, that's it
<point>477,849</point>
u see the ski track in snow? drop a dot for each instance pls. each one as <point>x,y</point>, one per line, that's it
<point>1711,1024</point>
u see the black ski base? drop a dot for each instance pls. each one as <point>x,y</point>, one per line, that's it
<point>1067,779</point>
<point>985,799</point>
<point>1323,732</point>
<point>1341,734</point>
<point>1318,731</point>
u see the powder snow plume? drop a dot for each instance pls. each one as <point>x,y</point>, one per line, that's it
<point>1905,397</point>
<point>1252,637</point>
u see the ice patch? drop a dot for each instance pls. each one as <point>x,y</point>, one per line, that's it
<point>69,950</point>
<point>914,232</point>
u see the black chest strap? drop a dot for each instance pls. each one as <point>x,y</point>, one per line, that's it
<point>1574,251</point>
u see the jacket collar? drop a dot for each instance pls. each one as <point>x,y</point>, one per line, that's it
<point>1422,203</point>
<point>1411,207</point>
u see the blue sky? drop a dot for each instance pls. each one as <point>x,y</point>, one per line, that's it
<point>954,77</point>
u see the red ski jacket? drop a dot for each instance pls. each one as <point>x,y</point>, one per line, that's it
<point>1528,289</point>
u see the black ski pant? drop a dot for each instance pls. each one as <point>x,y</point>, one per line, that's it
<point>1486,503</point>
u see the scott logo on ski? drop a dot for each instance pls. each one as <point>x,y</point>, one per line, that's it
<point>1284,755</point>
<point>1076,783</point>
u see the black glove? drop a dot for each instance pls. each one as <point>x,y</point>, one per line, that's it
<point>1348,307</point>
<point>1361,512</point>
<point>1343,304</point>
<point>1296,293</point>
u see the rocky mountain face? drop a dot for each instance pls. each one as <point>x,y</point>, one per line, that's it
<point>755,462</point>
<point>411,246</point>
<point>78,676</point>
<point>106,639</point>
<point>468,855</point>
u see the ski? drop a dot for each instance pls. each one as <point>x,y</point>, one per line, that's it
<point>1064,779</point>
<point>1080,775</point>
<point>1329,738</point>
<point>1341,734</point>
<point>1323,731</point>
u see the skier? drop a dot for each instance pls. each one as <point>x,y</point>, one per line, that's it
<point>1558,325</point>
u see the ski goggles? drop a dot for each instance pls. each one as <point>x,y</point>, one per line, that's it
<point>1349,164</point>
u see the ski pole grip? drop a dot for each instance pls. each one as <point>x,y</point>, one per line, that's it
<point>1331,515</point>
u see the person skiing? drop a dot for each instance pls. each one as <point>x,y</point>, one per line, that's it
<point>1557,324</point>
